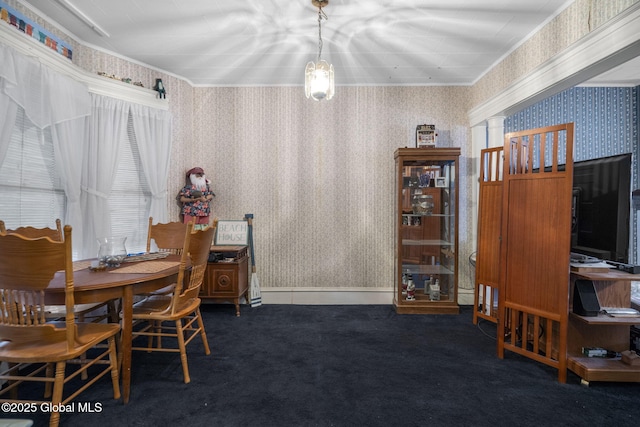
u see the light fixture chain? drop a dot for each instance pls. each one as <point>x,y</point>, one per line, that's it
<point>320,13</point>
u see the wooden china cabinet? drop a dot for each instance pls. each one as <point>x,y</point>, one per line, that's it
<point>426,231</point>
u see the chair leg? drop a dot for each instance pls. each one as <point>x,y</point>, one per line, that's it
<point>48,387</point>
<point>83,356</point>
<point>83,359</point>
<point>14,372</point>
<point>152,328</point>
<point>158,329</point>
<point>155,327</point>
<point>113,359</point>
<point>203,333</point>
<point>58,385</point>
<point>183,351</point>
<point>112,311</point>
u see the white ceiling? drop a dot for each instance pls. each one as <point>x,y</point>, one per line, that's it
<point>269,42</point>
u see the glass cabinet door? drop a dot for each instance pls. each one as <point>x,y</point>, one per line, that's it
<point>426,232</point>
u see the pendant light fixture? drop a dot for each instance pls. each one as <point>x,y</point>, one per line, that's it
<point>318,76</point>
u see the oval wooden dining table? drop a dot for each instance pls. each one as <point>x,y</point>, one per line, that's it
<point>117,283</point>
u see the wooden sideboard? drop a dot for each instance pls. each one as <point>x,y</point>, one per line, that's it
<point>227,280</point>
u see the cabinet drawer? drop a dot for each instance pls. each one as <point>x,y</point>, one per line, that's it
<point>221,280</point>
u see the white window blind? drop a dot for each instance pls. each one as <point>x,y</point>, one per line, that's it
<point>30,187</point>
<point>130,196</point>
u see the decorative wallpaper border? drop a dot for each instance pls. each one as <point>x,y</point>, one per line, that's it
<point>31,29</point>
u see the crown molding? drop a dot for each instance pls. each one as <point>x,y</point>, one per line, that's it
<point>96,84</point>
<point>604,48</point>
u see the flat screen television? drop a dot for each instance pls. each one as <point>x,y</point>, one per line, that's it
<point>602,208</point>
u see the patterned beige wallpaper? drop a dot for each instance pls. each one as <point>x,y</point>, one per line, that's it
<point>319,176</point>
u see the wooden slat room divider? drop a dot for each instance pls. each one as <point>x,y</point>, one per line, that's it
<point>489,223</point>
<point>533,288</point>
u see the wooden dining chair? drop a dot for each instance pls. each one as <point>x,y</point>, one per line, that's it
<point>178,315</point>
<point>84,312</point>
<point>35,348</point>
<point>168,237</point>
<point>93,312</point>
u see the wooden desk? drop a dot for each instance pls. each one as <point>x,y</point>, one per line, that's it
<point>100,286</point>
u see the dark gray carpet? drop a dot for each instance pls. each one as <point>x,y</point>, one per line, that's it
<point>286,365</point>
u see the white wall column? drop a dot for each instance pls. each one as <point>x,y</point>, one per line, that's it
<point>496,131</point>
<point>478,142</point>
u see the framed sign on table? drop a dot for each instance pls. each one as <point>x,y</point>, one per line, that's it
<point>231,233</point>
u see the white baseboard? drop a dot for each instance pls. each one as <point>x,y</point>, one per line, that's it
<point>327,296</point>
<point>340,296</point>
<point>465,296</point>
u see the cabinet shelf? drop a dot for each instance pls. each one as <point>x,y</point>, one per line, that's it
<point>409,242</point>
<point>432,270</point>
<point>428,216</point>
<point>602,369</point>
<point>603,319</point>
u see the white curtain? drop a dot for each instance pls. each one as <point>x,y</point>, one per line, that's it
<point>49,99</point>
<point>46,96</point>
<point>106,128</point>
<point>153,133</point>
<point>8,112</point>
<point>8,107</point>
<point>87,131</point>
<point>68,137</point>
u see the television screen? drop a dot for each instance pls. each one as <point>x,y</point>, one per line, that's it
<point>601,207</point>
